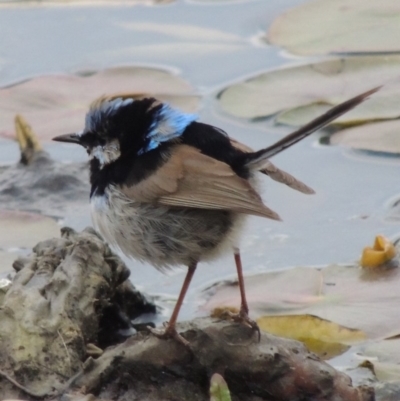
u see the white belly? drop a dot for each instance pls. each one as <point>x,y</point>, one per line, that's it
<point>163,236</point>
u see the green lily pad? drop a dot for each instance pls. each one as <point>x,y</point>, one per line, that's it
<point>339,26</point>
<point>346,295</point>
<point>303,92</point>
<point>56,104</point>
<point>378,137</point>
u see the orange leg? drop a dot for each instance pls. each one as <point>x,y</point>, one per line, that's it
<point>244,307</point>
<point>170,327</point>
<point>243,315</point>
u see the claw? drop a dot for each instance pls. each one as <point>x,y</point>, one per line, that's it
<point>243,318</point>
<point>243,315</point>
<point>168,332</point>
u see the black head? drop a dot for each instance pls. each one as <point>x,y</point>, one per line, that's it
<point>118,127</point>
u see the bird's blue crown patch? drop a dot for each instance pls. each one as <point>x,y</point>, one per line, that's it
<point>102,110</point>
<point>168,124</point>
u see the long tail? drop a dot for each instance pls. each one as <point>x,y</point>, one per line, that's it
<point>256,160</point>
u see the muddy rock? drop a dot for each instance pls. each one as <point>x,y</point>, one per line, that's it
<point>62,324</point>
<point>145,368</point>
<point>65,304</point>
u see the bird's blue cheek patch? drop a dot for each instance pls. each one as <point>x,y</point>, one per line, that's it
<point>168,124</point>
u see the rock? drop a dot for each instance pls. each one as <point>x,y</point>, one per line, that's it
<point>66,306</point>
<point>66,296</point>
<point>146,368</point>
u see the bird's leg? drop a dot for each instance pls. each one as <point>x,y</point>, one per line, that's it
<point>170,327</point>
<point>243,315</point>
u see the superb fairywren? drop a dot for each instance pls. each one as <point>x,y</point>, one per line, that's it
<point>170,190</point>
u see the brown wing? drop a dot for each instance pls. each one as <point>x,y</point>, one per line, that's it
<point>191,179</point>
<point>276,173</point>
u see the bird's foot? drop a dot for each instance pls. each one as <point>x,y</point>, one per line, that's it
<point>243,318</point>
<point>168,332</point>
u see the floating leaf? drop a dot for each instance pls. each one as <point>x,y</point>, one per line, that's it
<point>306,91</point>
<point>387,372</point>
<point>303,114</point>
<point>24,230</point>
<point>382,251</point>
<point>219,389</point>
<point>325,338</point>
<point>384,358</point>
<point>384,351</point>
<point>376,137</point>
<point>339,26</point>
<point>56,104</point>
<point>366,300</point>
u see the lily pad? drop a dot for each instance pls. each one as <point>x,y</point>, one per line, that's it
<point>339,26</point>
<point>303,114</point>
<point>346,295</point>
<point>322,337</point>
<point>25,230</point>
<point>387,372</point>
<point>57,104</point>
<point>378,137</point>
<point>303,92</point>
<point>383,357</point>
<point>384,351</point>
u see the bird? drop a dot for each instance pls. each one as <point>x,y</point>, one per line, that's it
<point>170,190</point>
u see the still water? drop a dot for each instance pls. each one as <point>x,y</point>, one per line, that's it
<point>353,189</point>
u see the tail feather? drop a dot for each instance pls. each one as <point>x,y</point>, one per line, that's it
<point>274,172</point>
<point>283,177</point>
<point>256,160</point>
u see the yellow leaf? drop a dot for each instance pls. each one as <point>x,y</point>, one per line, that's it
<point>325,338</point>
<point>223,312</point>
<point>382,251</point>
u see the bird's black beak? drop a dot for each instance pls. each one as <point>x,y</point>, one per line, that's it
<point>71,138</point>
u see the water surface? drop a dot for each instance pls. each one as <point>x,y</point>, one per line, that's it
<point>353,188</point>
